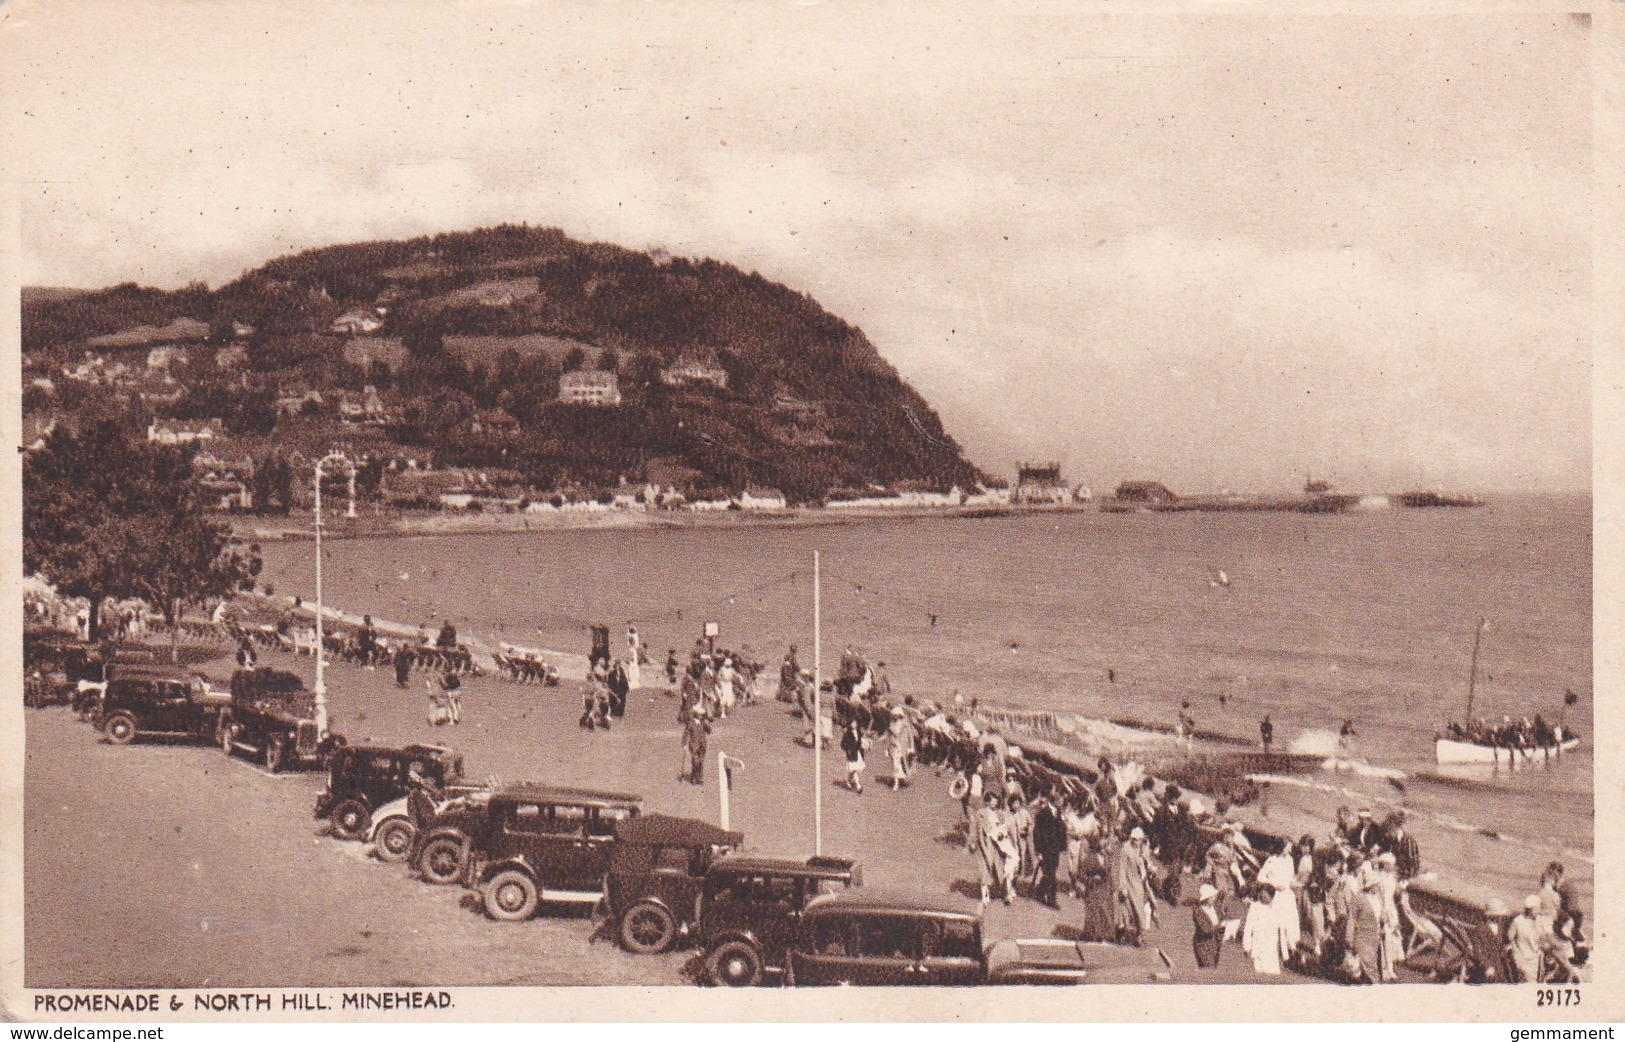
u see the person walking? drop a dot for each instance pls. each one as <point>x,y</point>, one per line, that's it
<point>980,830</point>
<point>634,658</point>
<point>852,743</point>
<point>1526,941</point>
<point>451,687</point>
<point>696,737</point>
<point>403,664</point>
<point>1266,732</point>
<point>1131,893</point>
<point>1207,941</point>
<point>901,733</point>
<point>1049,841</point>
<point>618,685</point>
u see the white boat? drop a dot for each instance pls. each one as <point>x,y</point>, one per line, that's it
<point>1450,750</point>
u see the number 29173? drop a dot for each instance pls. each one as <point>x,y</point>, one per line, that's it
<point>1557,996</point>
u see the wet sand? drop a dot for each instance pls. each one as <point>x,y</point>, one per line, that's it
<point>168,865</point>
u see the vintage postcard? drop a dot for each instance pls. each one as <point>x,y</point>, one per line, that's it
<point>524,499</point>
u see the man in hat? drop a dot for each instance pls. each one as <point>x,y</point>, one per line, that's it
<point>696,732</point>
<point>1365,836</point>
<point>1399,842</point>
<point>1206,942</point>
<point>1363,929</point>
<point>1049,841</point>
<point>1526,941</point>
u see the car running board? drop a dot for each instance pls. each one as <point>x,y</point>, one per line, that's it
<point>577,896</point>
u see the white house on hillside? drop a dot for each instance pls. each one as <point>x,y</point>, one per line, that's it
<point>184,432</point>
<point>589,387</point>
<point>760,497</point>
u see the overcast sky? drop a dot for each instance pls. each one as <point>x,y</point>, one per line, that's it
<point>1219,248</point>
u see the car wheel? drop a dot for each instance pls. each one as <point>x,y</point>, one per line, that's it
<point>121,729</point>
<point>350,819</point>
<point>510,896</point>
<point>392,840</point>
<point>276,753</point>
<point>735,964</point>
<point>441,862</point>
<point>647,929</point>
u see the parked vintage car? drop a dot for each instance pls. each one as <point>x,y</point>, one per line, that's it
<point>750,908</point>
<point>442,845</point>
<point>362,778</point>
<point>145,700</point>
<point>396,825</point>
<point>657,871</point>
<point>870,937</point>
<point>274,717</point>
<point>544,843</point>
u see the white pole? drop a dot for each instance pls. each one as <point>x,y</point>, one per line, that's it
<point>722,788</point>
<point>818,714</point>
<point>321,680</point>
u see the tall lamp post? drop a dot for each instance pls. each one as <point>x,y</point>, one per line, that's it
<point>321,644</point>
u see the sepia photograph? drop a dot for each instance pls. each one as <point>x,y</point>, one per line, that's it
<point>778,495</point>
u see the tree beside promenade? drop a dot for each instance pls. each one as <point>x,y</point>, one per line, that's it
<point>106,515</point>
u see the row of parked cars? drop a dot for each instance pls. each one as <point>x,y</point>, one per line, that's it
<point>662,880</point>
<point>665,880</point>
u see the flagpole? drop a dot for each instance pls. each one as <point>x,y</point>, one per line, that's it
<point>818,714</point>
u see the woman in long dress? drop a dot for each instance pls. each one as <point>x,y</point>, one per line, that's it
<point>1259,932</point>
<point>1278,874</point>
<point>634,658</point>
<point>1092,879</point>
<point>1131,892</point>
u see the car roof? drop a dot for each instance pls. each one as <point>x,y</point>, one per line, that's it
<point>530,792</point>
<point>873,899</point>
<point>656,830</point>
<point>138,671</point>
<point>398,750</point>
<point>820,867</point>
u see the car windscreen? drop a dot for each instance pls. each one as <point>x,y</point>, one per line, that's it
<point>950,939</point>
<point>887,936</point>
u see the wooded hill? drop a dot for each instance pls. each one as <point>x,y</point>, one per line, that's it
<point>476,325</point>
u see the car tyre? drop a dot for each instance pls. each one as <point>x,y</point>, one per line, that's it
<point>276,753</point>
<point>648,929</point>
<point>441,862</point>
<point>510,896</point>
<point>734,964</point>
<point>121,729</point>
<point>350,820</point>
<point>392,840</point>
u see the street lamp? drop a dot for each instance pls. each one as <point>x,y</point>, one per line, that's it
<point>321,644</point>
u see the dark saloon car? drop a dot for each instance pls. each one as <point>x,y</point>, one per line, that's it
<point>657,871</point>
<point>143,700</point>
<point>273,717</point>
<point>362,778</point>
<point>751,906</point>
<point>545,843</point>
<point>870,937</point>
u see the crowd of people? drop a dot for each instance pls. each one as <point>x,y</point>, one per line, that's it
<point>1130,844</point>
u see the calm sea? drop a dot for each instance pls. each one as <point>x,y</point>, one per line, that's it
<point>1367,616</point>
